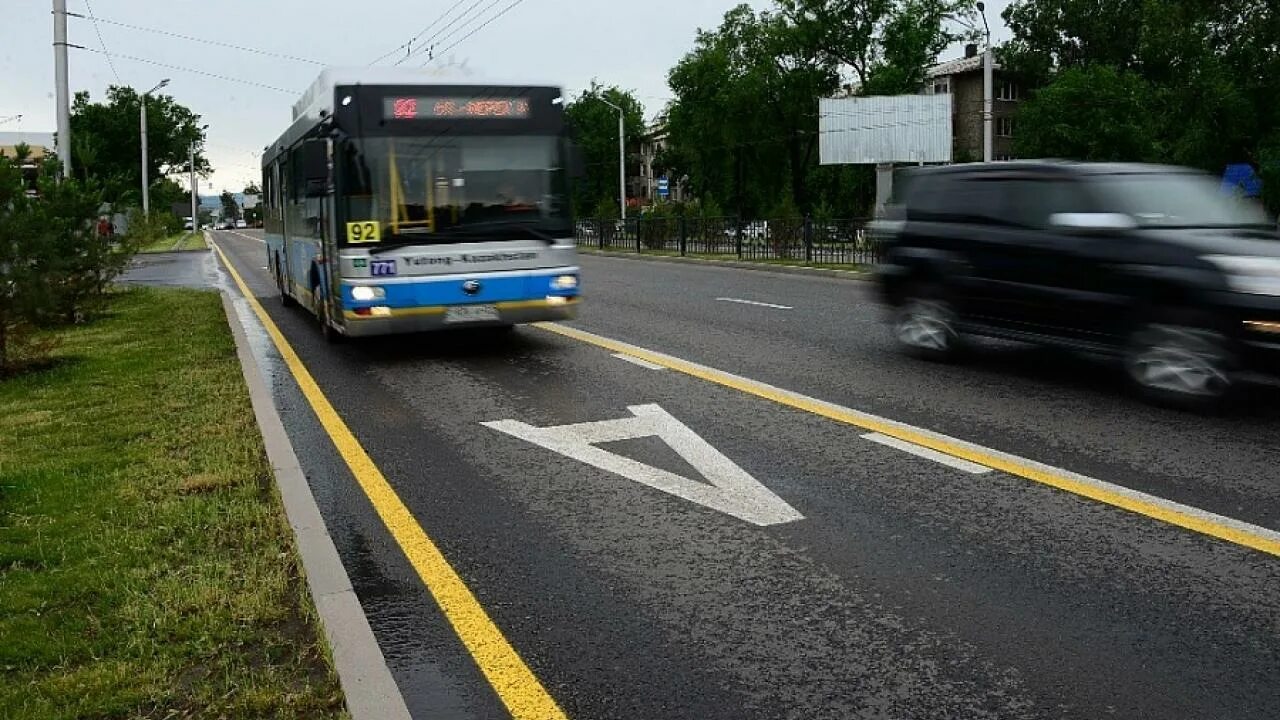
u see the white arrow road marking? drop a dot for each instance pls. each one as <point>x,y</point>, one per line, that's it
<point>728,488</point>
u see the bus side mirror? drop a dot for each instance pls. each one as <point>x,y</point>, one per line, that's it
<point>315,167</point>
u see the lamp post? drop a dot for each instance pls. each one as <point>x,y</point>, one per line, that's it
<point>195,187</point>
<point>988,100</point>
<point>622,159</point>
<point>146,183</point>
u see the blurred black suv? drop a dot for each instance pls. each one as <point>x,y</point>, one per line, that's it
<point>1155,265</point>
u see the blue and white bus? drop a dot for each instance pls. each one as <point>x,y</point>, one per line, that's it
<point>396,202</point>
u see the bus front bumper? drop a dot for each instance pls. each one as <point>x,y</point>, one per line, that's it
<point>389,321</point>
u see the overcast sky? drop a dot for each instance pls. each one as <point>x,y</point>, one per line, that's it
<point>569,42</point>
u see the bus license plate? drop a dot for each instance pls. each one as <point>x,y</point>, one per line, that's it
<point>471,313</point>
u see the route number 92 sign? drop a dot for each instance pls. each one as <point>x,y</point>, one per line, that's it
<point>365,231</point>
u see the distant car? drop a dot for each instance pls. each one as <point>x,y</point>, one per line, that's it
<point>1151,264</point>
<point>187,225</point>
<point>241,224</point>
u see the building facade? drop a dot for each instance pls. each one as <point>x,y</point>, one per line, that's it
<point>962,79</point>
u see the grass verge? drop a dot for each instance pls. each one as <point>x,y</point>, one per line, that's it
<point>146,567</point>
<point>182,241</point>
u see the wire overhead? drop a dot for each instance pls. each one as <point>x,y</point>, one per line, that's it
<point>204,41</point>
<point>408,47</point>
<point>428,45</point>
<point>189,70</point>
<point>482,26</point>
<point>98,31</point>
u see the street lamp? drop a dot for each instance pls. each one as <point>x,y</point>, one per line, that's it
<point>195,188</point>
<point>988,101</point>
<point>622,159</point>
<point>988,70</point>
<point>146,185</point>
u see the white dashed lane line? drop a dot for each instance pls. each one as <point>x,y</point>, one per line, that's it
<point>756,303</point>
<point>928,454</point>
<point>637,361</point>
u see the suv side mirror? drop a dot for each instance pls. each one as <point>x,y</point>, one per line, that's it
<point>315,167</point>
<point>1092,223</point>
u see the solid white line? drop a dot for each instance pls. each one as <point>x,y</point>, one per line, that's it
<point>928,454</point>
<point>637,361</point>
<point>756,303</point>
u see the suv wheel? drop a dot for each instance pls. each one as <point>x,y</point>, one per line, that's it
<point>1180,365</point>
<point>925,325</point>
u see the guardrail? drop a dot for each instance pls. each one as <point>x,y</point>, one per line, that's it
<point>785,240</point>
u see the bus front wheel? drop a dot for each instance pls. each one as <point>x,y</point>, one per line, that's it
<point>321,309</point>
<point>285,298</point>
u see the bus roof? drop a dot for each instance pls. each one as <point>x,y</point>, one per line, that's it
<point>320,95</point>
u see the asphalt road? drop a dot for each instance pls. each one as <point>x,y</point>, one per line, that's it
<point>890,585</point>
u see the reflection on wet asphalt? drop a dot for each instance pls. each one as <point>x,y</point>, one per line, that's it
<point>909,589</point>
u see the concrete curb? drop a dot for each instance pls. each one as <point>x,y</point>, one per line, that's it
<point>371,693</point>
<point>852,275</point>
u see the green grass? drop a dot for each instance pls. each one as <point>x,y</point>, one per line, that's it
<point>181,241</point>
<point>146,568</point>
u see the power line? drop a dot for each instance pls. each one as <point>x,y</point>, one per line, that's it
<point>189,70</point>
<point>429,42</point>
<point>204,41</point>
<point>478,29</point>
<point>421,32</point>
<point>110,63</point>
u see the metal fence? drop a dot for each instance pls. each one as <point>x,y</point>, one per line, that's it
<point>799,240</point>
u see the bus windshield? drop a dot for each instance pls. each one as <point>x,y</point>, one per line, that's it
<point>443,189</point>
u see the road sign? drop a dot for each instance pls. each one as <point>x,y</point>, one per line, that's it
<point>664,188</point>
<point>726,487</point>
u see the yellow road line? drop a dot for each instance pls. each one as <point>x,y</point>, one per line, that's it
<point>512,680</point>
<point>1201,522</point>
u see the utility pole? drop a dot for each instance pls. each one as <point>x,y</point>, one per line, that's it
<point>146,184</point>
<point>63,84</point>
<point>988,99</point>
<point>622,159</point>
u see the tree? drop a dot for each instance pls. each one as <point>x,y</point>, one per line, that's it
<point>1212,70</point>
<point>252,189</point>
<point>230,209</point>
<point>594,127</point>
<point>744,119</point>
<point>107,144</point>
<point>1093,113</point>
<point>886,44</point>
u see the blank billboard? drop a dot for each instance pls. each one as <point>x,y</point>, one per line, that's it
<point>885,129</point>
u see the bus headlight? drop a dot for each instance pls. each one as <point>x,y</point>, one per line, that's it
<point>365,293</point>
<point>565,282</point>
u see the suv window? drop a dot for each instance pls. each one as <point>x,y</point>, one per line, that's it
<point>953,198</point>
<point>1031,201</point>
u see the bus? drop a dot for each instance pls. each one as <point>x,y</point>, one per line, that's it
<point>399,202</point>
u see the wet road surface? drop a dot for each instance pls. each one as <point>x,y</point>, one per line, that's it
<point>896,587</point>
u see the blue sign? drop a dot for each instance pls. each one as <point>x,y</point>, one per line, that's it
<point>382,268</point>
<point>664,188</point>
<point>1241,180</point>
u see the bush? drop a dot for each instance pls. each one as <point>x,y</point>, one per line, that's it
<point>54,267</point>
